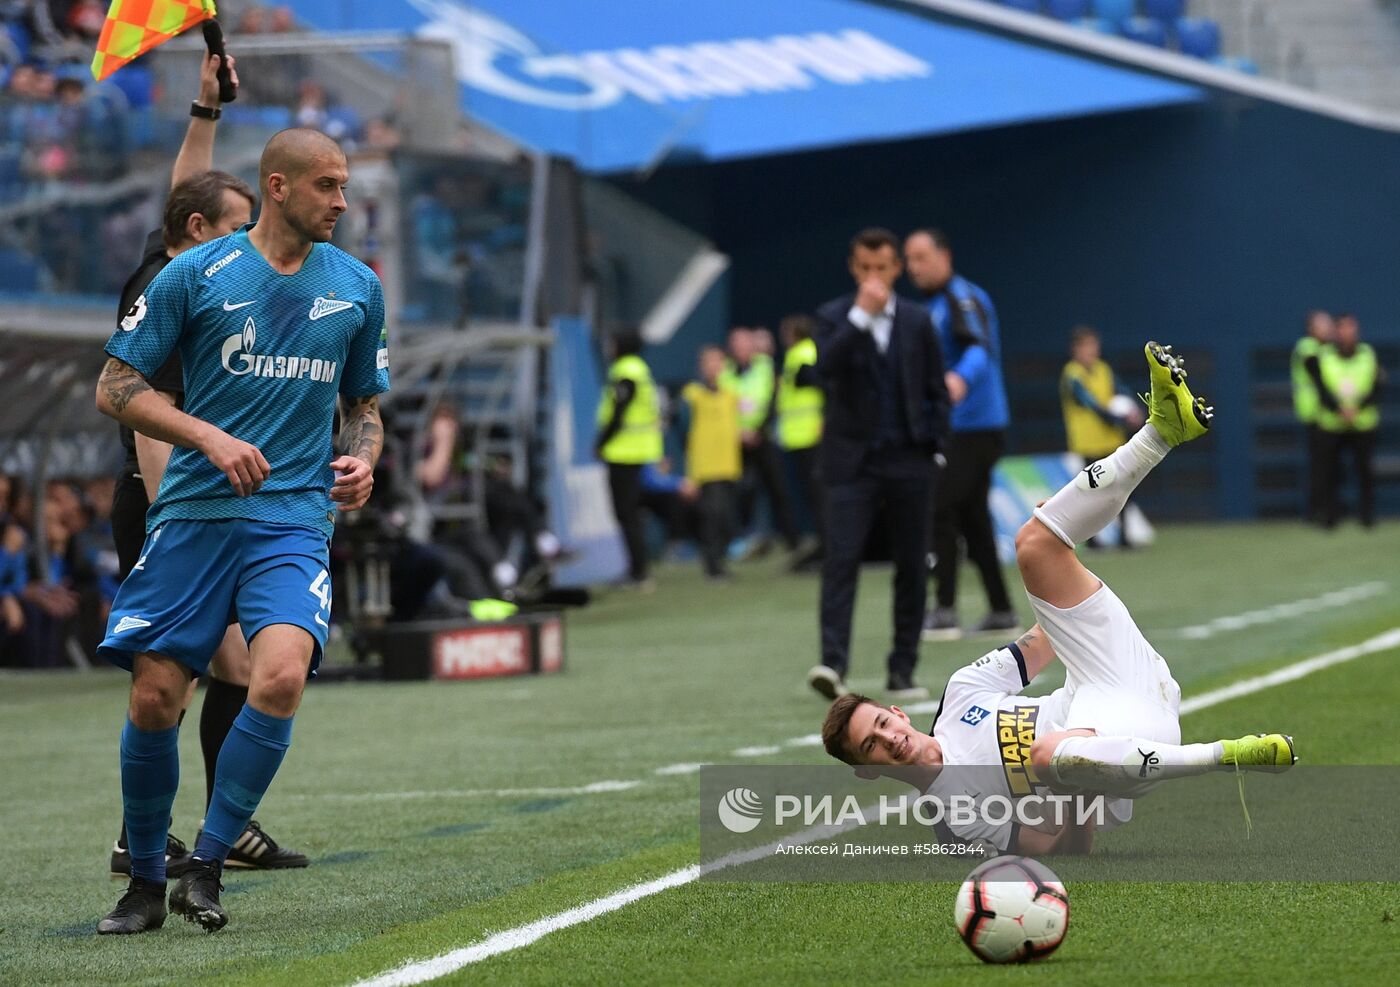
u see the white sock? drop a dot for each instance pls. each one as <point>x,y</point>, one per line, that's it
<point>1085,506</point>
<point>1127,765</point>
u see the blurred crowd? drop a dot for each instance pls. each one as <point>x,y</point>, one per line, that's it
<point>55,594</point>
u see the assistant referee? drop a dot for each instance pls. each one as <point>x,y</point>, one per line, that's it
<point>203,205</point>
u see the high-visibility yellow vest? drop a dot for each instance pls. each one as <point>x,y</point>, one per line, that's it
<point>754,387</point>
<point>799,408</point>
<point>1305,402</point>
<point>638,440</point>
<point>1088,434</point>
<point>712,447</point>
<point>1350,378</point>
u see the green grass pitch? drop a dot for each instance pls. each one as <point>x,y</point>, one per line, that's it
<point>396,792</point>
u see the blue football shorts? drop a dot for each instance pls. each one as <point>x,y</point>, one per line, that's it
<point>194,578</point>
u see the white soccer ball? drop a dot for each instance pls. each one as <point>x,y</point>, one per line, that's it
<point>1122,406</point>
<point>1012,910</point>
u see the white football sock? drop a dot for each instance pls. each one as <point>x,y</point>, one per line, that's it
<point>1126,765</point>
<point>1085,506</point>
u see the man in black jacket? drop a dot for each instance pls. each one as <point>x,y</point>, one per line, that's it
<point>886,419</point>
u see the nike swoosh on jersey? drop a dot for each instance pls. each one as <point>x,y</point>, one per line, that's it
<point>230,308</point>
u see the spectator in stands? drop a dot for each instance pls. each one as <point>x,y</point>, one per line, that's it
<point>1349,381</point>
<point>629,437</point>
<point>970,336</point>
<point>749,374</point>
<point>1099,415</point>
<point>713,458</point>
<point>1320,330</point>
<point>14,575</point>
<point>51,596</point>
<point>797,410</point>
<point>84,19</point>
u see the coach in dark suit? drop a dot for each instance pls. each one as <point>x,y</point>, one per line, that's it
<point>886,418</point>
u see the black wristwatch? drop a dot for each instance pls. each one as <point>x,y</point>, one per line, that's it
<point>205,112</point>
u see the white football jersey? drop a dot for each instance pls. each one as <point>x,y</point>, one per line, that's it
<point>986,727</point>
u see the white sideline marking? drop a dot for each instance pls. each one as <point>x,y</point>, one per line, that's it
<point>1281,611</point>
<point>807,740</point>
<point>684,768</point>
<point>760,750</point>
<point>421,971</point>
<point>467,793</point>
<point>1288,673</point>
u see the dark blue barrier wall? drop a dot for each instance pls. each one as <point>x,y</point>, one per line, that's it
<point>1213,226</point>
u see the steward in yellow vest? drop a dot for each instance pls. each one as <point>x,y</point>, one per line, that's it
<point>1349,380</point>
<point>800,397</point>
<point>1305,372</point>
<point>713,460</point>
<point>629,415</point>
<point>1086,388</point>
<point>629,437</point>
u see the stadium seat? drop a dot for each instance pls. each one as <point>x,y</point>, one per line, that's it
<point>1165,11</point>
<point>1029,6</point>
<point>1198,37</point>
<point>1067,10</point>
<point>1096,24</point>
<point>1114,11</point>
<point>1145,31</point>
<point>1236,63</point>
<point>137,83</point>
<point>18,271</point>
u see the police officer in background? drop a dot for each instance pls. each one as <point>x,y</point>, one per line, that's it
<point>1304,371</point>
<point>1349,381</point>
<point>749,374</point>
<point>798,409</point>
<point>629,438</point>
<point>970,337</point>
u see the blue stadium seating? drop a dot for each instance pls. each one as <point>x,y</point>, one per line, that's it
<point>1165,11</point>
<point>1029,6</point>
<point>1198,37</point>
<point>1067,10</point>
<point>1146,31</point>
<point>1115,11</point>
<point>1097,24</point>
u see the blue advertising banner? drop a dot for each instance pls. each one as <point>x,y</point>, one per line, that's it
<point>626,84</point>
<point>580,506</point>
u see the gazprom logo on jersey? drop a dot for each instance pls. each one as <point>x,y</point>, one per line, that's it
<point>497,58</point>
<point>239,347</point>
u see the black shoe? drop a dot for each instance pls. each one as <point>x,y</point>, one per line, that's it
<point>196,896</point>
<point>827,681</point>
<point>255,850</point>
<point>177,858</point>
<point>941,624</point>
<point>996,622</point>
<point>141,909</point>
<point>903,687</point>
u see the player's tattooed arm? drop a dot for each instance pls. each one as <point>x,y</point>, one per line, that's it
<point>361,429</point>
<point>119,384</point>
<point>1036,650</point>
<point>361,442</point>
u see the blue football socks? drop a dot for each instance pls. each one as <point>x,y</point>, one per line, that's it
<point>248,761</point>
<point>150,777</point>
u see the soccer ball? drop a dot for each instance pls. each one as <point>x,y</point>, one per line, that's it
<point>1012,910</point>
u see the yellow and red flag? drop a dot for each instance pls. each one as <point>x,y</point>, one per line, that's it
<point>134,27</point>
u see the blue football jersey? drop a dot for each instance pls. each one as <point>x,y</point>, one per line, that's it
<point>265,356</point>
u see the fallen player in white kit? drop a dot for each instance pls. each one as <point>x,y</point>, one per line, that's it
<point>1114,728</point>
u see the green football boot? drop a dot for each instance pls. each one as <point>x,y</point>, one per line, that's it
<point>1176,414</point>
<point>1260,752</point>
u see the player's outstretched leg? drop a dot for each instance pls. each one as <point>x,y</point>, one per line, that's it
<point>1126,766</point>
<point>1083,507</point>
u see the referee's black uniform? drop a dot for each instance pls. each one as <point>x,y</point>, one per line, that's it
<point>129,504</point>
